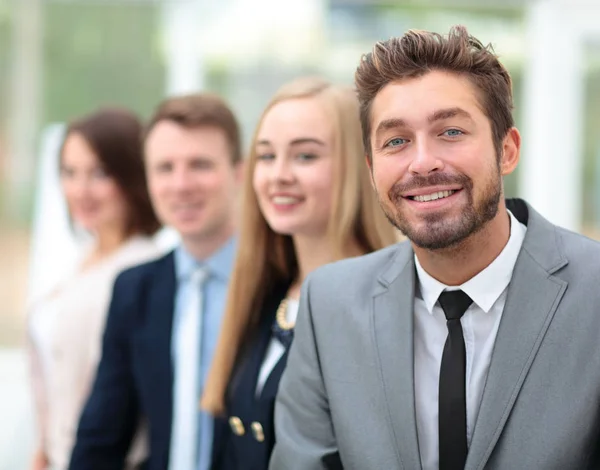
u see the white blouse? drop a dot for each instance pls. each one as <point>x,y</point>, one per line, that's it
<point>65,331</point>
<point>275,350</point>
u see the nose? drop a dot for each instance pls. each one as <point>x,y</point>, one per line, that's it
<point>182,179</point>
<point>80,186</point>
<point>283,171</point>
<point>424,161</point>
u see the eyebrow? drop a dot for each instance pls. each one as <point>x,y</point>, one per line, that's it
<point>388,124</point>
<point>448,113</point>
<point>301,140</point>
<point>199,156</point>
<point>194,157</point>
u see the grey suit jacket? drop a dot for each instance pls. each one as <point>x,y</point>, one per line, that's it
<point>347,399</point>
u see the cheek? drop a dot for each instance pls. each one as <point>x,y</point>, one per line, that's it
<point>479,163</point>
<point>319,178</point>
<point>259,181</point>
<point>323,190</point>
<point>474,155</point>
<point>384,177</point>
<point>68,190</point>
<point>111,195</point>
<point>217,182</point>
<point>158,188</point>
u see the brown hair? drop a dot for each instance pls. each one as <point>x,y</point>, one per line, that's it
<point>200,110</point>
<point>419,52</point>
<point>114,134</point>
<point>266,258</point>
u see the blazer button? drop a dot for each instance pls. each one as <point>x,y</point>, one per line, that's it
<point>237,426</point>
<point>258,432</point>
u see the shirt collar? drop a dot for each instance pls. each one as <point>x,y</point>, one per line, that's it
<point>487,286</point>
<point>219,264</point>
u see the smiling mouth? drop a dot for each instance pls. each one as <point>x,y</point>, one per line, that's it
<point>285,200</point>
<point>432,197</point>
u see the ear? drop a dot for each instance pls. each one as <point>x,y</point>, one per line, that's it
<point>511,151</point>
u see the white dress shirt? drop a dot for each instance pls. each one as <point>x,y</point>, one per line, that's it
<point>480,326</point>
<point>275,350</point>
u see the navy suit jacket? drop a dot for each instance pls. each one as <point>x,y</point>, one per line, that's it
<point>135,375</point>
<point>251,451</point>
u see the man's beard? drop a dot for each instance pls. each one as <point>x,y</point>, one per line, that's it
<point>440,230</point>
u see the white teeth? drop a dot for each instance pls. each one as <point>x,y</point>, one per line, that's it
<point>433,196</point>
<point>285,200</point>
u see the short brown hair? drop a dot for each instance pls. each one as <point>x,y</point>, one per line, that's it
<point>419,52</point>
<point>114,134</point>
<point>199,110</point>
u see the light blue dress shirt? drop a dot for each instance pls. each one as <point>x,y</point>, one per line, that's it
<point>219,267</point>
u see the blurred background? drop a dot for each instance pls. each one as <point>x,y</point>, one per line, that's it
<point>63,58</point>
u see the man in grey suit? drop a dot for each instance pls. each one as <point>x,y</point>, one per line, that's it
<point>474,344</point>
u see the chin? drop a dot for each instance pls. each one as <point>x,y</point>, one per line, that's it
<point>284,229</point>
<point>87,225</point>
<point>188,230</point>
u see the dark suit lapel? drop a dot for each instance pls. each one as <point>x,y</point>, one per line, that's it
<point>247,375</point>
<point>272,384</point>
<point>157,335</point>
<point>533,297</point>
<point>392,319</point>
<point>251,369</point>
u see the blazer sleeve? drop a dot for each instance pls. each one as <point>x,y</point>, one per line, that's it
<point>303,428</point>
<point>111,414</point>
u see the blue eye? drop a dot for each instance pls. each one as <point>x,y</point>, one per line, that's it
<point>266,156</point>
<point>453,133</point>
<point>306,157</point>
<point>396,142</point>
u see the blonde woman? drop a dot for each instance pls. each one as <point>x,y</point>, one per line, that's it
<point>307,201</point>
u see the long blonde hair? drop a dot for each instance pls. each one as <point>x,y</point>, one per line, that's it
<point>266,258</point>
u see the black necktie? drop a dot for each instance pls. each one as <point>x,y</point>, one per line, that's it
<point>452,395</point>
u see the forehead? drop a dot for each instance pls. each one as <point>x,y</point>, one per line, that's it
<point>167,138</point>
<point>77,150</point>
<point>296,118</point>
<point>414,100</point>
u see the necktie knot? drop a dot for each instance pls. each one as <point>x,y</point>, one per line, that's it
<point>198,276</point>
<point>454,303</point>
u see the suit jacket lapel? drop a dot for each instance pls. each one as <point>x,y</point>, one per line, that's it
<point>245,377</point>
<point>533,296</point>
<point>244,387</point>
<point>160,310</point>
<point>271,384</point>
<point>392,319</point>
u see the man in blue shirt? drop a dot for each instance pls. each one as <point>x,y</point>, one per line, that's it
<point>165,315</point>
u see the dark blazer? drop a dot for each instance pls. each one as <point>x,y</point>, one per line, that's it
<point>135,375</point>
<point>243,446</point>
